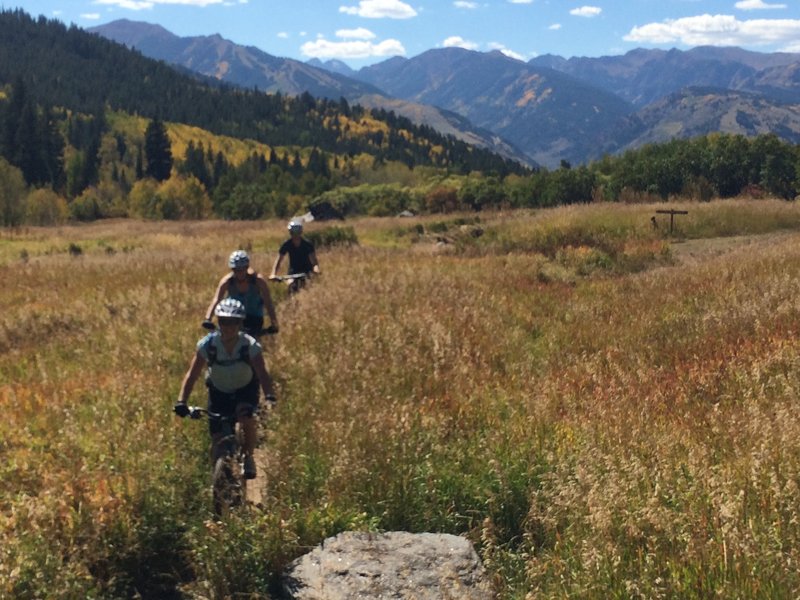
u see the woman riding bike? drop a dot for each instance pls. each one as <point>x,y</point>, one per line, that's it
<point>302,256</point>
<point>235,371</point>
<point>251,289</point>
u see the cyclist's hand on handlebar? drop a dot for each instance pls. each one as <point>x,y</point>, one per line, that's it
<point>181,409</point>
<point>208,324</point>
<point>271,400</point>
<point>271,329</point>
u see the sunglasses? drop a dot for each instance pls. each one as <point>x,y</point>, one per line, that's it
<point>226,321</point>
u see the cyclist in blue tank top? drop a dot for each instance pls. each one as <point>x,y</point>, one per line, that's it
<point>249,288</point>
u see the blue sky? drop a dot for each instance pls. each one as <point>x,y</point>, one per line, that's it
<point>362,32</point>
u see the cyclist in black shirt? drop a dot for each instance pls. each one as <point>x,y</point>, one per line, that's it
<point>302,257</point>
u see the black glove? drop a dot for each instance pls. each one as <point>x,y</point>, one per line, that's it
<point>181,409</point>
<point>208,324</point>
<point>271,329</point>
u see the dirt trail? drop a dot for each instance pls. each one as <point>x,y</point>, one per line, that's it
<point>257,485</point>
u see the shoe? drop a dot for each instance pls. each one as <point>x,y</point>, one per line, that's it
<point>249,467</point>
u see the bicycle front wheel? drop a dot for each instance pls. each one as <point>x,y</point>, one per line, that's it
<point>228,485</point>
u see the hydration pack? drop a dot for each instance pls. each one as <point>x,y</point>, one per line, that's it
<point>211,351</point>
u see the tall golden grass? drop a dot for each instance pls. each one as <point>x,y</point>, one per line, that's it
<point>600,416</point>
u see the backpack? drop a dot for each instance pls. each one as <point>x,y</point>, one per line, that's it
<point>211,350</point>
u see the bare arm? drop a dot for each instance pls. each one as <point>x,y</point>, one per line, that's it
<point>263,289</point>
<point>264,378</point>
<point>198,362</point>
<point>220,293</point>
<point>313,258</point>
<point>276,266</point>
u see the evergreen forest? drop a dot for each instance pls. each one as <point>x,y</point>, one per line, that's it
<point>90,129</point>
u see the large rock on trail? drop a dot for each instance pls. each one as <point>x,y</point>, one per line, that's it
<point>394,565</point>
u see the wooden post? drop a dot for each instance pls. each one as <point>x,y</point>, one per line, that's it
<point>672,212</point>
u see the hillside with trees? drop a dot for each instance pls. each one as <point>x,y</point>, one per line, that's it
<point>65,80</point>
<point>90,129</point>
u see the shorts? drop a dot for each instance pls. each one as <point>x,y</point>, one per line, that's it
<point>225,403</point>
<point>253,325</point>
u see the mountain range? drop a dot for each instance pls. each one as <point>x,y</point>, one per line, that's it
<point>246,66</point>
<point>542,112</point>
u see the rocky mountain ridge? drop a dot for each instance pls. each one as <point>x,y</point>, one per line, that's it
<point>544,111</point>
<point>245,66</point>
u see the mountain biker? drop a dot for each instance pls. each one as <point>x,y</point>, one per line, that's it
<point>251,289</point>
<point>235,370</point>
<point>302,257</point>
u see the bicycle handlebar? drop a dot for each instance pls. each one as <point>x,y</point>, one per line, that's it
<point>292,277</point>
<point>271,330</point>
<point>197,412</point>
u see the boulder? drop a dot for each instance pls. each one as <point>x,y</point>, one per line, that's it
<point>325,211</point>
<point>398,565</point>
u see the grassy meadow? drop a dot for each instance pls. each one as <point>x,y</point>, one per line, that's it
<point>604,410</point>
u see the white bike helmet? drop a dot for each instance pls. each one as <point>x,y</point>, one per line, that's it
<point>230,308</point>
<point>239,260</point>
<point>295,227</point>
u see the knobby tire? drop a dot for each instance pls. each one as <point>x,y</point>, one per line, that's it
<point>229,486</point>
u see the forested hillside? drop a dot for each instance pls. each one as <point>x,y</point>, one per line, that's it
<point>64,80</point>
<point>90,129</point>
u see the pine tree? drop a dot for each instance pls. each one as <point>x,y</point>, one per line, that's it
<point>139,172</point>
<point>158,151</point>
<point>52,150</point>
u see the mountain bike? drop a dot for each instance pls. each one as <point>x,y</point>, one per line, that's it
<point>296,281</point>
<point>228,484</point>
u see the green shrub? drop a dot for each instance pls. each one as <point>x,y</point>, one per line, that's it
<point>332,236</point>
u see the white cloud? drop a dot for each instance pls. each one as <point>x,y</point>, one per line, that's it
<point>129,4</point>
<point>456,41</point>
<point>465,4</point>
<point>508,52</point>
<point>521,1</point>
<point>380,9</point>
<point>555,27</point>
<point>147,4</point>
<point>586,11</point>
<point>756,5</point>
<point>355,34</point>
<point>322,48</point>
<point>283,35</point>
<point>717,30</point>
<point>90,16</point>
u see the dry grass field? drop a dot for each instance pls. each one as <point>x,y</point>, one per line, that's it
<point>605,411</point>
